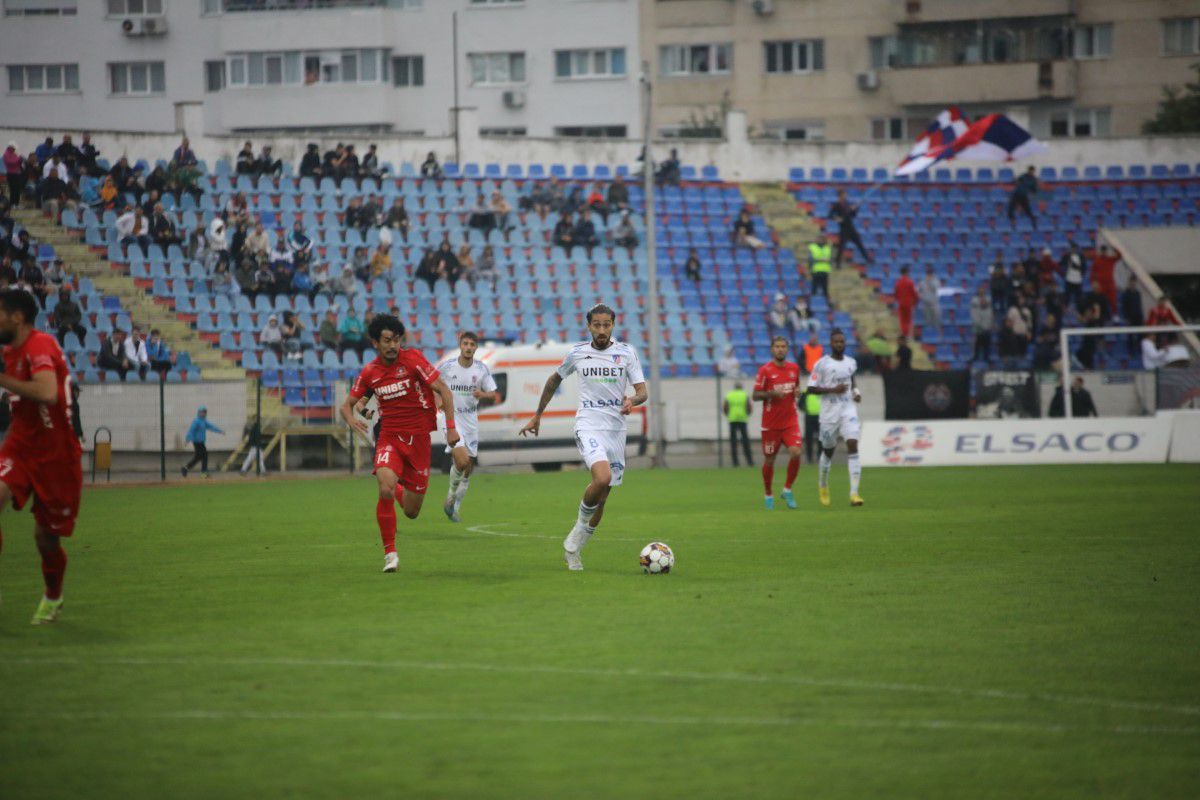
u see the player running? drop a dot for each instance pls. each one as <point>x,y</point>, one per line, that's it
<point>472,383</point>
<point>404,385</point>
<point>605,367</point>
<point>41,456</point>
<point>778,385</point>
<point>833,379</point>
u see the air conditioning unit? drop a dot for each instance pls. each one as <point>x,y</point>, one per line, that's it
<point>144,26</point>
<point>514,99</point>
<point>868,81</point>
<point>764,8</point>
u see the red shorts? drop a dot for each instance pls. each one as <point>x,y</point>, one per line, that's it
<point>408,456</point>
<point>55,487</point>
<point>775,440</point>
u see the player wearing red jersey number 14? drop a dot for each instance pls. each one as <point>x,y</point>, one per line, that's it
<point>777,386</point>
<point>40,458</point>
<point>404,385</point>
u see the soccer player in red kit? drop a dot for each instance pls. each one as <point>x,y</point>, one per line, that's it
<point>777,386</point>
<point>404,385</point>
<point>40,459</point>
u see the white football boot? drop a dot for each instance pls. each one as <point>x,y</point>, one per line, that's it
<point>391,562</point>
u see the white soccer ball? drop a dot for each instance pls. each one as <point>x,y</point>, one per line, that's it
<point>656,559</point>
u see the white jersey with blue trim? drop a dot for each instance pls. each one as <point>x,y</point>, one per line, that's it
<point>604,376</point>
<point>463,381</point>
<point>827,373</point>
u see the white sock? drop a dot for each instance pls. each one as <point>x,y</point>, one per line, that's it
<point>585,513</point>
<point>461,491</point>
<point>824,464</point>
<point>585,536</point>
<point>855,472</point>
<point>455,477</point>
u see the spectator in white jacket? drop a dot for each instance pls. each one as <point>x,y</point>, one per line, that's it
<point>135,352</point>
<point>217,243</point>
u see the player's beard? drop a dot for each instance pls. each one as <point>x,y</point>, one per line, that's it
<point>601,342</point>
<point>6,337</point>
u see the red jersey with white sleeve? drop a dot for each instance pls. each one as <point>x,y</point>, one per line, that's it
<point>403,392</point>
<point>779,413</point>
<point>40,458</point>
<point>40,432</point>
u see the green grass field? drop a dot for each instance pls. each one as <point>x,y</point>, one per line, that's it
<point>971,633</point>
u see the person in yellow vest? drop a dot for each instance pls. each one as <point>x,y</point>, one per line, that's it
<point>738,408</point>
<point>820,254</point>
<point>812,424</point>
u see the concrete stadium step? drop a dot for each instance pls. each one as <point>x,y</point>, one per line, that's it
<point>848,289</point>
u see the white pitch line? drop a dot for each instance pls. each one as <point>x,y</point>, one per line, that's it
<point>718,677</point>
<point>484,530</point>
<point>986,726</point>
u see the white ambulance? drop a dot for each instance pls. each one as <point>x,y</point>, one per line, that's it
<point>521,372</point>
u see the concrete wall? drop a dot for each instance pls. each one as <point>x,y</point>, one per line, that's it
<point>131,412</point>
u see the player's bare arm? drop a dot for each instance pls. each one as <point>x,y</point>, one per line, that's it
<point>347,411</point>
<point>839,389</point>
<point>443,393</point>
<point>854,392</point>
<point>486,398</point>
<point>769,394</point>
<point>640,396</point>
<point>42,388</point>
<point>552,383</point>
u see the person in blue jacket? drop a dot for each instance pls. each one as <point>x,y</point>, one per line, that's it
<point>197,434</point>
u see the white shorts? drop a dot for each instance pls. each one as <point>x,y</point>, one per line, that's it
<point>847,427</point>
<point>467,439</point>
<point>597,446</point>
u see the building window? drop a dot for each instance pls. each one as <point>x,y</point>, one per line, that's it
<point>1093,41</point>
<point>888,129</point>
<point>885,51</point>
<point>134,8</point>
<point>510,132</point>
<point>1080,122</point>
<point>43,78</point>
<point>805,55</point>
<point>696,59</point>
<point>592,131</point>
<point>1181,37</point>
<point>39,8</point>
<point>607,63</point>
<point>796,131</point>
<point>294,68</point>
<point>137,78</point>
<point>497,2</point>
<point>214,76</point>
<point>408,71</point>
<point>497,69</point>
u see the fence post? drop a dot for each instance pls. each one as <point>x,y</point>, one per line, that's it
<point>162,425</point>
<point>257,433</point>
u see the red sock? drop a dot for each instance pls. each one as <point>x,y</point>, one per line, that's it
<point>793,468</point>
<point>54,569</point>
<point>385,514</point>
<point>768,476</point>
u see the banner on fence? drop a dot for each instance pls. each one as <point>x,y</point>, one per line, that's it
<point>920,394</point>
<point>1102,440</point>
<point>1009,394</point>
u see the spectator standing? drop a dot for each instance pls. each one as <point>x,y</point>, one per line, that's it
<point>68,317</point>
<point>1081,400</point>
<point>903,353</point>
<point>691,268</point>
<point>1130,303</point>
<point>1153,357</point>
<point>197,436</point>
<point>252,433</point>
<point>737,408</point>
<point>1021,198</point>
<point>819,255</point>
<point>983,320</point>
<point>1104,267</point>
<point>844,213</point>
<point>1074,270</point>
<point>1001,288</point>
<point>136,353</point>
<point>813,350</point>
<point>1018,325</point>
<point>14,174</point>
<point>931,304</point>
<point>112,354</point>
<point>906,300</point>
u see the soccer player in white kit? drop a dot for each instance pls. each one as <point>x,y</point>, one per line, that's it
<point>471,382</point>
<point>833,379</point>
<point>606,368</point>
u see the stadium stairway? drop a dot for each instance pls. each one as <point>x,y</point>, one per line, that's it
<point>848,290</point>
<point>143,308</point>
